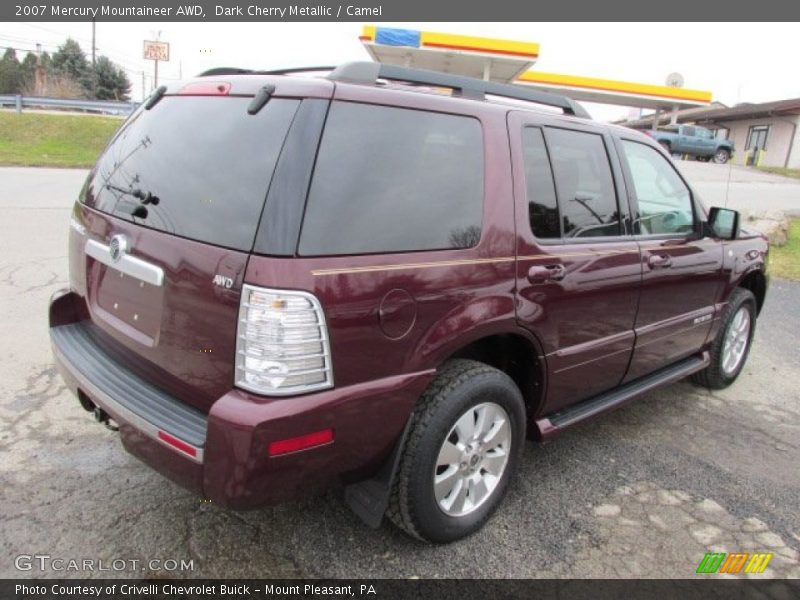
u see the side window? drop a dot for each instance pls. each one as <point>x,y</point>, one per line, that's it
<point>688,130</point>
<point>540,190</point>
<point>665,203</point>
<point>393,180</point>
<point>586,195</point>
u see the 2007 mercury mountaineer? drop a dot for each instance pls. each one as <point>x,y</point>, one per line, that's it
<point>387,279</point>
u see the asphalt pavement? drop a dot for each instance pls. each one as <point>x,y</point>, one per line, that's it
<point>644,492</point>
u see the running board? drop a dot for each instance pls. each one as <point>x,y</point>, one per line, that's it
<point>556,422</point>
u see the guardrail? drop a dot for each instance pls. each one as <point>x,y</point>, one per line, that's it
<point>108,107</point>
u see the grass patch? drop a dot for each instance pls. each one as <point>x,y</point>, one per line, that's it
<point>45,140</point>
<point>786,172</point>
<point>785,261</point>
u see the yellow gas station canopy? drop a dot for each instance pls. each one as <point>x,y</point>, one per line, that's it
<point>484,58</point>
<point>608,91</point>
<point>508,61</point>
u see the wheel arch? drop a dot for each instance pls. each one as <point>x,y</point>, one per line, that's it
<point>517,355</point>
<point>756,282</point>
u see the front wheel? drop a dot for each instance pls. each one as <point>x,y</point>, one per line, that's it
<point>463,447</point>
<point>732,345</point>
<point>722,155</point>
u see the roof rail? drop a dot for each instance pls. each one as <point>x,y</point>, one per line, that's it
<point>468,87</point>
<point>296,70</point>
<point>237,71</point>
<point>225,71</point>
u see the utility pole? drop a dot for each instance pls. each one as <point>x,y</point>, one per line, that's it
<point>94,62</point>
<point>155,76</point>
<point>40,76</point>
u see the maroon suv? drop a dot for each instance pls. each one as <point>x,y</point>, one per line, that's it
<point>385,278</point>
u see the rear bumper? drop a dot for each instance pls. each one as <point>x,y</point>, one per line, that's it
<point>223,455</point>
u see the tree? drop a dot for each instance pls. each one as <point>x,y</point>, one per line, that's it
<point>70,61</point>
<point>111,81</point>
<point>10,73</point>
<point>28,72</point>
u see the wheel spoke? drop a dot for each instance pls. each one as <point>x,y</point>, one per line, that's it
<point>446,482</point>
<point>494,461</point>
<point>459,498</point>
<point>465,426</point>
<point>478,490</point>
<point>498,434</point>
<point>486,416</point>
<point>450,454</point>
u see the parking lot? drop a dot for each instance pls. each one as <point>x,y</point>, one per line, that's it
<point>644,492</point>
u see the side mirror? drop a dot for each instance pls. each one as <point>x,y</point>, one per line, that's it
<point>723,222</point>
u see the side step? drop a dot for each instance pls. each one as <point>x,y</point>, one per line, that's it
<point>556,422</point>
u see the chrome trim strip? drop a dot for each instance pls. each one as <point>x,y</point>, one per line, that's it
<point>119,412</point>
<point>128,264</point>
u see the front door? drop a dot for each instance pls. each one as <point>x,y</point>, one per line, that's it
<point>681,268</point>
<point>578,270</point>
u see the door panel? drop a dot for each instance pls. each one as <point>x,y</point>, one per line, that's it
<point>680,268</point>
<point>676,307</point>
<point>577,294</point>
<point>585,320</point>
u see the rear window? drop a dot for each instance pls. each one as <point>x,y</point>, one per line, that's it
<point>196,167</point>
<point>392,180</point>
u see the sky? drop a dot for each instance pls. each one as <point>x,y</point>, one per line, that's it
<point>737,62</point>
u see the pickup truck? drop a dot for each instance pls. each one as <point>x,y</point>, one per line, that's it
<point>694,141</point>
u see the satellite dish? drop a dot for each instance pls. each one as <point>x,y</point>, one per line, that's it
<point>674,80</point>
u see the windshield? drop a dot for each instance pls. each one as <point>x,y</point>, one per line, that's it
<point>196,167</point>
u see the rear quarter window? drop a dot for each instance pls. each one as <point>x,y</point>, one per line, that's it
<point>393,179</point>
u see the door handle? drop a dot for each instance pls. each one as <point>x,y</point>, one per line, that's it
<point>657,261</point>
<point>545,273</point>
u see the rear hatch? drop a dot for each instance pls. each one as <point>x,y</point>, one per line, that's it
<point>165,224</point>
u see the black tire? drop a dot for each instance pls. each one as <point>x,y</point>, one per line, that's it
<point>715,376</point>
<point>722,156</point>
<point>459,386</point>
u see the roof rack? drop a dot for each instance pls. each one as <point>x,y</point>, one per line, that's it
<point>468,87</point>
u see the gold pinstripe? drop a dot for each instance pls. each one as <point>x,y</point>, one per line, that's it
<point>478,261</point>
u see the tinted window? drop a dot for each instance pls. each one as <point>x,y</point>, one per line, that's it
<point>586,194</point>
<point>392,179</point>
<point>687,130</point>
<point>665,203</point>
<point>541,192</point>
<point>198,167</point>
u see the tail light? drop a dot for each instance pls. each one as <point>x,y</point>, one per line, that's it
<point>282,343</point>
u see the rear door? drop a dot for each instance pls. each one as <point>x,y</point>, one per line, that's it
<point>163,231</point>
<point>578,269</point>
<point>681,267</point>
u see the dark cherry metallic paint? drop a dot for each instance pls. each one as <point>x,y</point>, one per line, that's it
<point>611,316</point>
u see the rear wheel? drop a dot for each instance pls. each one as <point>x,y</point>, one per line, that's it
<point>732,345</point>
<point>721,157</point>
<point>461,452</point>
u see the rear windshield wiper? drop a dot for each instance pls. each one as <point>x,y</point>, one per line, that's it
<point>143,197</point>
